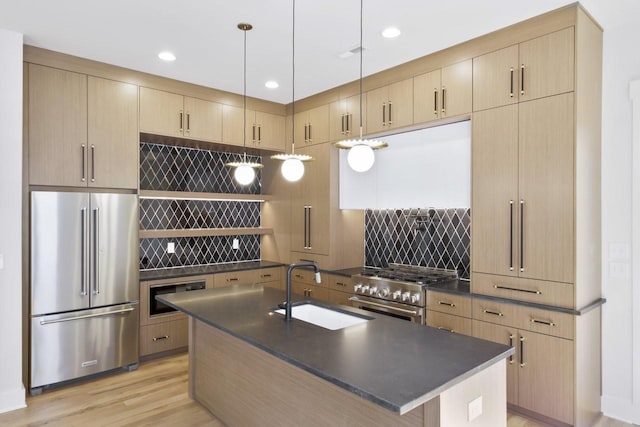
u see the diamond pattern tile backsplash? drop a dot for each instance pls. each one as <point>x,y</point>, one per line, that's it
<point>156,214</point>
<point>427,237</point>
<point>171,168</point>
<point>197,251</point>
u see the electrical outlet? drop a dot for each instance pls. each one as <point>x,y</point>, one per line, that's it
<point>236,244</point>
<point>474,409</point>
<point>619,270</point>
<point>171,248</point>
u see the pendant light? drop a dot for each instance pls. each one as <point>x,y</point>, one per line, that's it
<point>244,172</point>
<point>292,168</point>
<point>361,156</point>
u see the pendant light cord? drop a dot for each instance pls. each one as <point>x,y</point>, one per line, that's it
<point>244,99</point>
<point>293,81</point>
<point>361,50</point>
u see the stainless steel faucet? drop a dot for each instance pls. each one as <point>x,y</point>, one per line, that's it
<point>287,309</point>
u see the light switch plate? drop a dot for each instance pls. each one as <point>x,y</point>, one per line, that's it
<point>1,261</point>
<point>171,248</point>
<point>474,409</point>
<point>236,244</point>
<point>619,251</point>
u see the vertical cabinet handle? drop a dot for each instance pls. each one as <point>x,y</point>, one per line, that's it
<point>253,134</point>
<point>259,133</point>
<point>305,227</point>
<point>93,163</point>
<point>349,120</point>
<point>342,131</point>
<point>188,122</point>
<point>309,227</point>
<point>84,171</point>
<point>306,133</point>
<point>511,86</point>
<point>435,101</point>
<point>522,362</point>
<point>96,251</point>
<point>444,99</point>
<point>511,345</point>
<point>83,251</point>
<point>510,235</point>
<point>310,137</point>
<point>384,114</point>
<point>181,120</point>
<point>521,235</point>
<point>522,79</point>
<point>390,118</point>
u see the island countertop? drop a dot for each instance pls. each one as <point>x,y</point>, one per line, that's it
<point>394,363</point>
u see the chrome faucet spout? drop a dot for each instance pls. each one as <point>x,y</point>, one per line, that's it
<point>287,309</point>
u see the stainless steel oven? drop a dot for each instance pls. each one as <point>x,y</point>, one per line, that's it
<point>156,307</point>
<point>388,308</point>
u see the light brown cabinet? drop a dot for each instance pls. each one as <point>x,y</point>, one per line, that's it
<point>83,131</point>
<point>450,312</point>
<point>264,130</point>
<point>443,93</point>
<point>537,68</point>
<point>345,118</point>
<point>390,107</point>
<point>170,114</point>
<point>523,200</point>
<point>312,126</point>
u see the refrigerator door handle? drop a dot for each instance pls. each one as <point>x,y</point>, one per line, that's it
<point>83,251</point>
<point>86,316</point>
<point>96,251</point>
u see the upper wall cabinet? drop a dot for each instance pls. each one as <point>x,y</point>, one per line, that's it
<point>169,114</point>
<point>345,118</point>
<point>264,130</point>
<point>83,131</point>
<point>443,93</point>
<point>390,107</point>
<point>540,67</point>
<point>312,126</point>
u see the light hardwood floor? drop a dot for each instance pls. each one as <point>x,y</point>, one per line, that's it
<point>153,395</point>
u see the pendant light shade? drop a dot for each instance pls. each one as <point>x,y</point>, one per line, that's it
<point>293,167</point>
<point>244,172</point>
<point>361,156</point>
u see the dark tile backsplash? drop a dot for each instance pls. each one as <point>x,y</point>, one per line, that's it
<point>427,237</point>
<point>172,168</point>
<point>197,251</point>
<point>168,214</point>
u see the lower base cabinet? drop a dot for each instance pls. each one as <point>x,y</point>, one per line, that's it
<point>163,337</point>
<point>540,375</point>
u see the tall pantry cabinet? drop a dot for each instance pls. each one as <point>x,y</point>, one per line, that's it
<point>536,214</point>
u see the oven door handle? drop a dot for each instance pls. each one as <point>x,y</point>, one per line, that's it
<point>387,307</point>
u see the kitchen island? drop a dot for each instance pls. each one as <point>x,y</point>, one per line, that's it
<point>250,367</point>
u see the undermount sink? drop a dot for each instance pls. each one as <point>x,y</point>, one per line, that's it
<point>324,317</point>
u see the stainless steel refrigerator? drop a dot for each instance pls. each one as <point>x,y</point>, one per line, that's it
<point>84,284</point>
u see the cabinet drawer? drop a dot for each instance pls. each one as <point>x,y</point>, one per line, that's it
<point>340,298</point>
<point>310,291</point>
<point>546,322</point>
<point>443,302</point>
<point>308,277</point>
<point>340,283</point>
<point>234,278</point>
<point>501,313</point>
<point>455,324</point>
<point>163,337</point>
<point>268,275</point>
<point>539,291</point>
<point>277,284</point>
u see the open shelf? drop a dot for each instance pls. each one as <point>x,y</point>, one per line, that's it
<point>185,195</point>
<point>198,232</point>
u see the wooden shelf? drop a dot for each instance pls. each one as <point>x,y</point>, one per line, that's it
<point>198,232</point>
<point>186,195</point>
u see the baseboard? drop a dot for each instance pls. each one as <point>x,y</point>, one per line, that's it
<point>620,409</point>
<point>12,399</point>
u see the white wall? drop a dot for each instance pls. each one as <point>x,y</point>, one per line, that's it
<point>621,65</point>
<point>11,389</point>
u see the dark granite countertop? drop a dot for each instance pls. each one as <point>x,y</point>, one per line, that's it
<point>169,273</point>
<point>346,272</point>
<point>396,364</point>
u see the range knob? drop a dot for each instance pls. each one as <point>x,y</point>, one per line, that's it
<point>383,293</point>
<point>396,295</point>
<point>357,288</point>
<point>415,298</point>
<point>364,289</point>
<point>405,296</point>
<point>373,290</point>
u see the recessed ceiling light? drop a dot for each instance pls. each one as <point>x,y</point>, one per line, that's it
<point>271,84</point>
<point>167,56</point>
<point>390,33</point>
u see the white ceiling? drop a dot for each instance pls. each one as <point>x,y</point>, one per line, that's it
<point>203,35</point>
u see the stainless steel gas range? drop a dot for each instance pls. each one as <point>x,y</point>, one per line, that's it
<point>398,290</point>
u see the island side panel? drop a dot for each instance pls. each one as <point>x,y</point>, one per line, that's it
<point>243,385</point>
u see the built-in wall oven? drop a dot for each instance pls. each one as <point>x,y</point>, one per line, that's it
<point>156,308</point>
<point>397,290</point>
